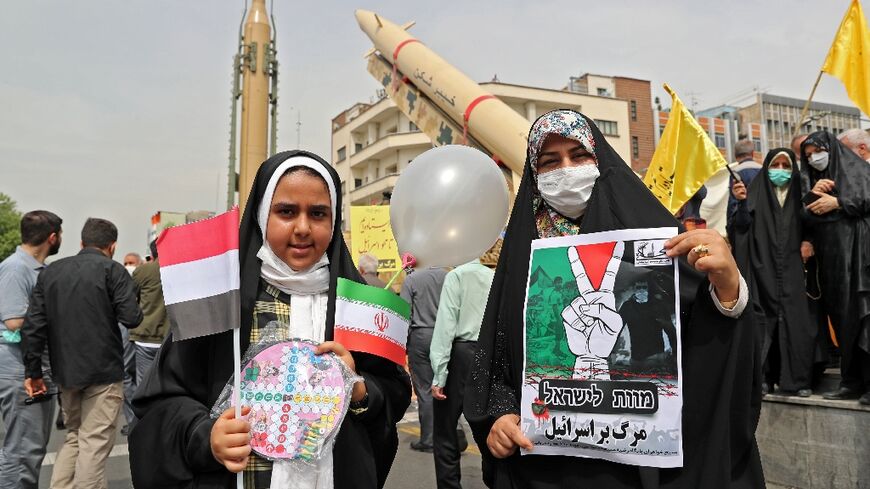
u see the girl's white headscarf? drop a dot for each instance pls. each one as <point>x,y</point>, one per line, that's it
<point>274,271</point>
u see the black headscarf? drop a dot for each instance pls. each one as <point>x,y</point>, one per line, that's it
<point>849,172</point>
<point>721,400</point>
<point>170,445</point>
<point>767,249</point>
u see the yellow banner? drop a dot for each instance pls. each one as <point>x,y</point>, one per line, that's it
<point>684,159</point>
<point>370,232</point>
<point>849,56</point>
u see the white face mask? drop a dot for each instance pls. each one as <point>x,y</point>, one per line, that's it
<point>819,160</point>
<point>567,190</point>
<point>130,268</point>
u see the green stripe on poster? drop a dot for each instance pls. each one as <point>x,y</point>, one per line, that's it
<point>355,292</point>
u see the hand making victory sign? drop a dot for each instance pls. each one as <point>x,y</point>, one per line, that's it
<point>591,322</point>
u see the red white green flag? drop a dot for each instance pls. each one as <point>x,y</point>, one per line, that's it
<point>371,320</point>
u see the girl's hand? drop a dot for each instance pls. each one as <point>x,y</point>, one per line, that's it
<point>359,388</point>
<point>505,436</point>
<point>231,440</point>
<point>708,252</point>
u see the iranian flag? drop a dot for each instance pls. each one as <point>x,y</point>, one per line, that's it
<point>199,269</point>
<point>371,320</point>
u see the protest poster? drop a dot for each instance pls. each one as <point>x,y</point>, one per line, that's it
<point>370,232</point>
<point>601,374</point>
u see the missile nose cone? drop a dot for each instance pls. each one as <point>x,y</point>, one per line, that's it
<point>368,21</point>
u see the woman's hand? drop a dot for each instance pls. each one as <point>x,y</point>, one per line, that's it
<point>807,251</point>
<point>231,440</point>
<point>505,436</point>
<point>716,260</point>
<point>824,204</point>
<point>824,186</point>
<point>359,388</point>
<point>739,191</point>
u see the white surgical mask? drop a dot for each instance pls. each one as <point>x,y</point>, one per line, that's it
<point>819,160</point>
<point>567,190</point>
<point>130,268</point>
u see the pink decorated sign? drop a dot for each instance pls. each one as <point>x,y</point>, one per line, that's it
<point>297,400</point>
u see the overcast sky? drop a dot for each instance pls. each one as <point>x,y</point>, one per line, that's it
<point>119,109</point>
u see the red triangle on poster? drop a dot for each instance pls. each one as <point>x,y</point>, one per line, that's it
<point>595,258</point>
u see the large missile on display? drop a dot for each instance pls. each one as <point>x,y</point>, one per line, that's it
<point>481,116</point>
<point>256,83</point>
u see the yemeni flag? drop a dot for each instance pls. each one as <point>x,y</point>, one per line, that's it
<point>371,320</point>
<point>199,268</point>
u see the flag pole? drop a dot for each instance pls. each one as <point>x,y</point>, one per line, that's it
<point>800,123</point>
<point>237,388</point>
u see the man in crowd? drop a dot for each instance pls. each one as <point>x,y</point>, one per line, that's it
<point>745,167</point>
<point>422,289</point>
<point>796,146</point>
<point>454,340</point>
<point>27,426</point>
<point>858,140</point>
<point>147,337</point>
<point>75,308</point>
<point>368,268</point>
<point>132,261</point>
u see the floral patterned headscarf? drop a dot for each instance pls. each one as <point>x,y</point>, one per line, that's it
<point>568,124</point>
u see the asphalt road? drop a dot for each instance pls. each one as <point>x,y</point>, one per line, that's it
<point>411,469</point>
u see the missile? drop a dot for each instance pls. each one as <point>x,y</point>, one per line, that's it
<point>495,126</point>
<point>253,140</point>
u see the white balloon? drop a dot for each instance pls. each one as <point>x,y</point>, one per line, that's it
<point>449,206</point>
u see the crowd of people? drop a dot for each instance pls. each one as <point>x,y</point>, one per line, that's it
<point>74,331</point>
<point>762,301</point>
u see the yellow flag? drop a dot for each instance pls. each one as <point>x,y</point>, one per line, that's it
<point>849,56</point>
<point>684,159</point>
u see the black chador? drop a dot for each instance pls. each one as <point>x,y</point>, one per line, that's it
<point>842,242</point>
<point>169,448</point>
<point>767,236</point>
<point>721,369</point>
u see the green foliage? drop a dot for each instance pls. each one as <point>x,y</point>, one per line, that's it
<point>10,221</point>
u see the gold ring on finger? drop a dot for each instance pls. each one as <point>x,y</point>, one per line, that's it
<point>701,250</point>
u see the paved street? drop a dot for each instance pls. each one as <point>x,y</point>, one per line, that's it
<point>411,469</point>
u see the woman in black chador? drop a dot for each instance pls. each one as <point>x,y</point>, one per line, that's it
<point>291,254</point>
<point>839,182</point>
<point>575,183</point>
<point>768,237</point>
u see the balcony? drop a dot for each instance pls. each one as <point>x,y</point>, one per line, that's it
<point>373,192</point>
<point>389,144</point>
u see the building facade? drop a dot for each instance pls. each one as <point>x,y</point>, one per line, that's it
<point>778,117</point>
<point>641,126</point>
<point>373,142</point>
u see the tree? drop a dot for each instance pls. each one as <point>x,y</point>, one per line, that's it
<point>10,230</point>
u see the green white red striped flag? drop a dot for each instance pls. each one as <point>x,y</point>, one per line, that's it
<point>371,320</point>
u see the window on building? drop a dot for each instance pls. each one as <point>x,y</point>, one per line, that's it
<point>392,170</point>
<point>342,153</point>
<point>635,147</point>
<point>757,144</point>
<point>357,147</point>
<point>357,182</point>
<point>343,188</point>
<point>634,110</point>
<point>608,128</point>
<point>413,127</point>
<point>602,92</point>
<point>720,140</point>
